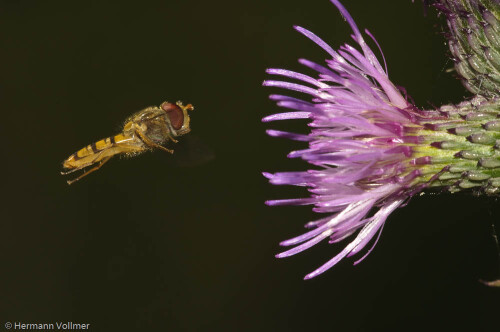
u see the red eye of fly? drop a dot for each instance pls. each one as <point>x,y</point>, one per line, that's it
<point>175,114</point>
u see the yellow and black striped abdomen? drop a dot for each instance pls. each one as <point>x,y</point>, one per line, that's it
<point>94,152</point>
<point>94,148</point>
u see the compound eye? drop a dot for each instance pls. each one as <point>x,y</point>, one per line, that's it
<point>175,114</point>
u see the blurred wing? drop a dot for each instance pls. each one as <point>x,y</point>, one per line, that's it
<point>191,151</point>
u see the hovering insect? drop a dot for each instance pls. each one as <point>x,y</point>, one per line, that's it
<point>144,130</point>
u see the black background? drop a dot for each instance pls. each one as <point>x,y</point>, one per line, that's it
<point>145,245</point>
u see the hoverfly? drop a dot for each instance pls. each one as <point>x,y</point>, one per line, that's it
<point>145,130</point>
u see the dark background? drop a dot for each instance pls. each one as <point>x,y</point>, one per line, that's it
<point>143,244</point>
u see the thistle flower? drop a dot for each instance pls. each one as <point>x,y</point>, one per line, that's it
<point>372,149</point>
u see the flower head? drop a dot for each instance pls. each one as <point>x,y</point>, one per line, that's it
<point>371,148</point>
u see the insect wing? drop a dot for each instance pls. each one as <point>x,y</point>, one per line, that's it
<point>191,151</point>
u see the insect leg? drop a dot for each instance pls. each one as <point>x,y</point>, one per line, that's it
<point>70,171</point>
<point>150,143</point>
<point>171,138</point>
<point>166,132</point>
<point>102,162</point>
<point>78,168</point>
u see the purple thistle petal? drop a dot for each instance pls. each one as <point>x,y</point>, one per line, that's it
<point>317,40</point>
<point>372,247</point>
<point>297,76</point>
<point>364,236</point>
<point>305,245</point>
<point>292,136</point>
<point>379,48</point>
<point>318,68</point>
<point>354,211</point>
<point>378,221</point>
<point>294,201</point>
<point>335,238</point>
<point>389,88</point>
<point>291,86</point>
<point>329,264</point>
<point>362,142</point>
<point>287,116</point>
<point>298,106</point>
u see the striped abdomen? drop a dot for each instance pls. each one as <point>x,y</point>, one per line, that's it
<point>95,152</point>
